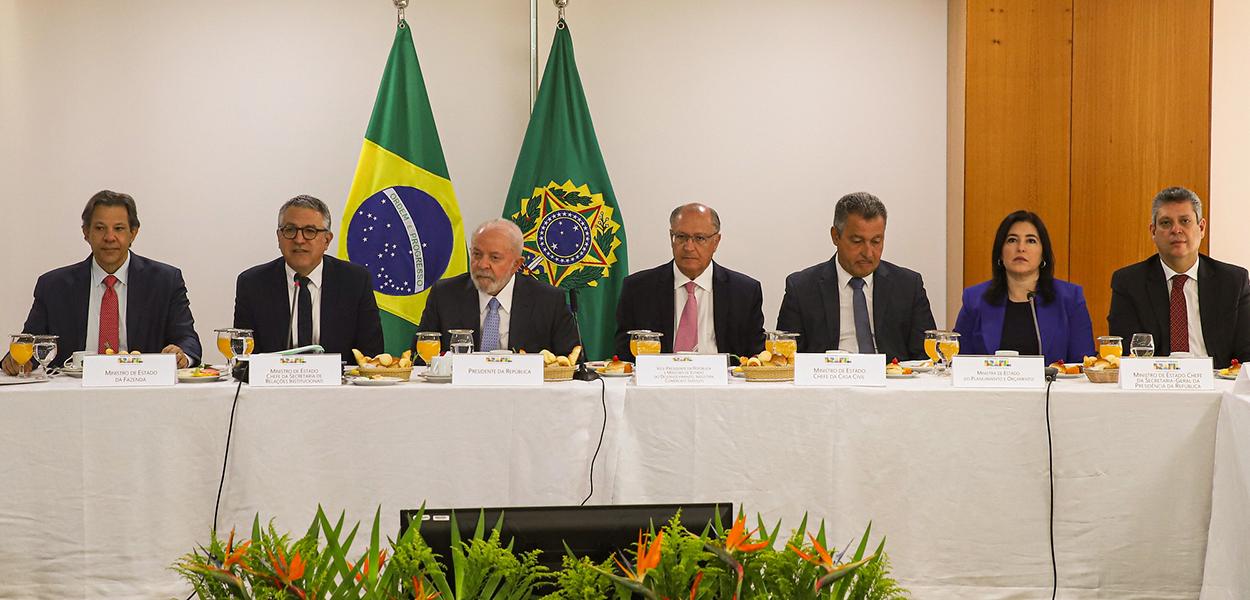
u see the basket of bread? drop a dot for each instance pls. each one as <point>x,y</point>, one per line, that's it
<point>767,366</point>
<point>1102,370</point>
<point>559,368</point>
<point>384,364</point>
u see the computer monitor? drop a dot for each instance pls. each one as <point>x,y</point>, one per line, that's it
<point>595,532</point>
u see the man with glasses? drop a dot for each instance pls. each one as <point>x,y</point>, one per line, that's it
<point>306,297</point>
<point>855,301</point>
<point>699,306</point>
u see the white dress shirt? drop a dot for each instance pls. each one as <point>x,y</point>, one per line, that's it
<point>1197,345</point>
<point>706,343</point>
<point>505,311</point>
<point>846,308</point>
<point>314,291</point>
<point>97,296</point>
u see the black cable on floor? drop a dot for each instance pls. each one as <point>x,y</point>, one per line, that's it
<point>1050,455</point>
<point>603,399</point>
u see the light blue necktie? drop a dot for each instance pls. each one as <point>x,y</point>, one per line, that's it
<point>490,327</point>
<point>863,330</point>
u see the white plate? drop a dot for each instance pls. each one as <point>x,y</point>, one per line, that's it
<point>10,380</point>
<point>1223,376</point>
<point>75,373</point>
<point>900,376</point>
<point>602,374</point>
<point>376,382</point>
<point>1070,375</point>
<point>190,379</point>
<point>919,366</point>
<point>435,378</point>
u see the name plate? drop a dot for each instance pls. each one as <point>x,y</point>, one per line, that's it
<point>1024,372</point>
<point>129,370</point>
<point>1164,374</point>
<point>839,369</point>
<point>300,370</point>
<point>497,369</point>
<point>681,370</point>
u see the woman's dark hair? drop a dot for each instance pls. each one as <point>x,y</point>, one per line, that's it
<point>997,292</point>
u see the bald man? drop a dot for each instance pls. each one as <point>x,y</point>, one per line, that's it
<point>699,305</point>
<point>505,312</point>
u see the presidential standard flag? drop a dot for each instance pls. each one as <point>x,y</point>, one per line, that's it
<point>402,221</point>
<point>562,200</point>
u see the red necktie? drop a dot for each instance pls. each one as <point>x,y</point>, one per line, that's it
<point>108,317</point>
<point>1179,315</point>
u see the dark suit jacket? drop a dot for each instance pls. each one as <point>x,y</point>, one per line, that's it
<point>900,310</point>
<point>157,310</point>
<point>1140,303</point>
<point>349,312</point>
<point>647,303</point>
<point>1064,324</point>
<point>540,317</point>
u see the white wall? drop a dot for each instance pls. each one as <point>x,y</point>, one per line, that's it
<point>212,114</point>
<point>1230,128</point>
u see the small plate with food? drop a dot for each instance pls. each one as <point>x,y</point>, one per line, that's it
<point>376,380</point>
<point>615,368</point>
<point>197,375</point>
<point>1231,372</point>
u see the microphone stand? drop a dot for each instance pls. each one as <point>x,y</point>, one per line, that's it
<point>582,373</point>
<point>1051,372</point>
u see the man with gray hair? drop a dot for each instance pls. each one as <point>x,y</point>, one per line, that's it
<point>1187,301</point>
<point>305,297</point>
<point>697,304</point>
<point>504,310</point>
<point>855,301</point>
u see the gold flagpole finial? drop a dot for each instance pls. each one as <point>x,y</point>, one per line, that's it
<point>560,4</point>
<point>400,5</point>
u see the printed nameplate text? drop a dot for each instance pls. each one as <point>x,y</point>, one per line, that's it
<point>681,369</point>
<point>497,369</point>
<point>839,369</point>
<point>299,370</point>
<point>1028,372</point>
<point>129,370</point>
<point>1166,374</point>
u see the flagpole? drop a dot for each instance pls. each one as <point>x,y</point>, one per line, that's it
<point>400,5</point>
<point>533,54</point>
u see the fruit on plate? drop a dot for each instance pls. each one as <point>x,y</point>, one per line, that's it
<point>383,361</point>
<point>551,359</point>
<point>1067,369</point>
<point>1096,363</point>
<point>896,369</point>
<point>764,359</point>
<point>1232,370</point>
<point>616,365</point>
<point>204,372</point>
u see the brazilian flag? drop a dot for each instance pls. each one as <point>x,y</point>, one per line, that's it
<point>402,221</point>
<point>562,200</point>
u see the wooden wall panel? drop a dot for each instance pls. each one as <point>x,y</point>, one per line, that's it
<point>1141,122</point>
<point>1018,101</point>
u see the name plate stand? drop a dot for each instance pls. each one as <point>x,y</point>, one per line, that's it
<point>678,370</point>
<point>497,369</point>
<point>129,370</point>
<point>300,370</point>
<point>866,370</point>
<point>1014,372</point>
<point>1166,374</point>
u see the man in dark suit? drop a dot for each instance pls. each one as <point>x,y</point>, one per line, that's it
<point>829,304</point>
<point>333,300</point>
<point>1188,302</point>
<point>115,299</point>
<point>697,308</point>
<point>505,311</point>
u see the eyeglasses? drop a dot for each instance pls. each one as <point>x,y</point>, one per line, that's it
<point>680,239</point>
<point>310,232</point>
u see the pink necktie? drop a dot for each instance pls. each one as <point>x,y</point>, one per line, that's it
<point>108,317</point>
<point>688,328</point>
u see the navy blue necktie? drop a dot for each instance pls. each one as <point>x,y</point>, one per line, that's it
<point>304,321</point>
<point>863,329</point>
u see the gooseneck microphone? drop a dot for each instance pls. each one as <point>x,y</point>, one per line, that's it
<point>1051,372</point>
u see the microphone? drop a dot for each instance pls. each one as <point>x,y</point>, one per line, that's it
<point>290,321</point>
<point>1051,372</point>
<point>583,373</point>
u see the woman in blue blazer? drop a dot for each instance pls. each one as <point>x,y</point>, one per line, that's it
<point>999,314</point>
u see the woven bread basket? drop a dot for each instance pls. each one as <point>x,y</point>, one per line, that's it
<point>404,373</point>
<point>769,373</point>
<point>1103,375</point>
<point>551,373</point>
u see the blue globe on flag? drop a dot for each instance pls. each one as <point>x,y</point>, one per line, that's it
<point>404,237</point>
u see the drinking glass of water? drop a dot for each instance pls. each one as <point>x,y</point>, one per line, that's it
<point>461,341</point>
<point>45,351</point>
<point>1142,345</point>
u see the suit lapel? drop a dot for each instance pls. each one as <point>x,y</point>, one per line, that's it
<point>80,300</point>
<point>521,313</point>
<point>1208,297</point>
<point>667,305</point>
<point>882,286</point>
<point>281,310</point>
<point>992,323</point>
<point>721,297</point>
<point>829,297</point>
<point>137,314</point>
<point>1160,304</point>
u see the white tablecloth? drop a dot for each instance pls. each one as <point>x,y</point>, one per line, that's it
<point>101,490</point>
<point>1227,574</point>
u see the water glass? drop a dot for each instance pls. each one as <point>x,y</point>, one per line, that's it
<point>1142,345</point>
<point>45,351</point>
<point>461,341</point>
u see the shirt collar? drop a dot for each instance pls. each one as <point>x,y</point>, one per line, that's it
<point>314,278</point>
<point>504,296</point>
<point>98,274</point>
<point>844,278</point>
<point>704,280</point>
<point>1168,273</point>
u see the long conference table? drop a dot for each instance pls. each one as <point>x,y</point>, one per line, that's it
<point>101,490</point>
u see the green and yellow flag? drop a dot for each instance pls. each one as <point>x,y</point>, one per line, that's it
<point>562,200</point>
<point>402,221</point>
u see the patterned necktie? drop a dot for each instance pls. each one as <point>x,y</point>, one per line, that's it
<point>1179,316</point>
<point>688,327</point>
<point>863,330</point>
<point>108,318</point>
<point>490,326</point>
<point>303,310</point>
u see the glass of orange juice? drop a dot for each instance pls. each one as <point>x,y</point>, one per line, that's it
<point>930,345</point>
<point>644,341</point>
<point>1110,345</point>
<point>786,344</point>
<point>223,343</point>
<point>429,345</point>
<point>770,341</point>
<point>21,350</point>
<point>948,347</point>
